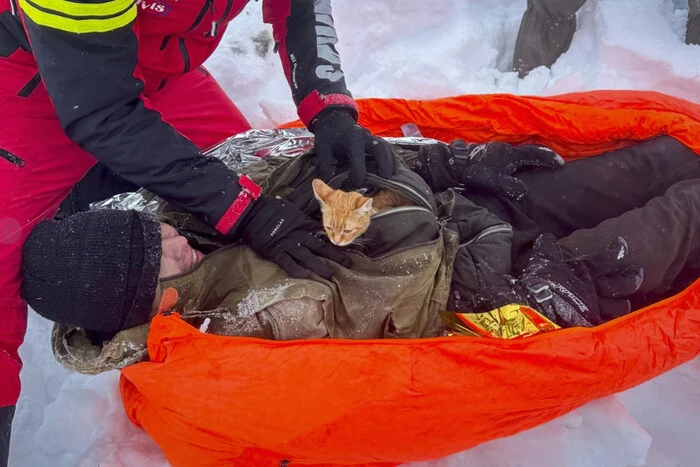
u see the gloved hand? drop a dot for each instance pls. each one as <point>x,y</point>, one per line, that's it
<point>484,168</point>
<point>276,230</point>
<point>338,136</point>
<point>584,291</point>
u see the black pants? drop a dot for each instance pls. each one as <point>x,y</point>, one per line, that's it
<point>663,237</point>
<point>648,193</point>
<point>546,31</point>
<point>692,30</point>
<point>548,26</point>
<point>6,415</point>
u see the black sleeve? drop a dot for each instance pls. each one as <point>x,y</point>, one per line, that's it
<point>305,37</point>
<point>88,64</point>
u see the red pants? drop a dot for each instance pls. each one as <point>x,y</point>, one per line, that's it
<point>31,189</point>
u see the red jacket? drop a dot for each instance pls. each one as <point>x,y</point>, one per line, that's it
<point>99,63</point>
<point>178,36</point>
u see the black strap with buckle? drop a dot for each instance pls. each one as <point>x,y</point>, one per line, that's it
<point>541,293</point>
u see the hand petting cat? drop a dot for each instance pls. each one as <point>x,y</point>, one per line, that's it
<point>339,137</point>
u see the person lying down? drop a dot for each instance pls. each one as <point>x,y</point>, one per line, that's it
<point>425,246</point>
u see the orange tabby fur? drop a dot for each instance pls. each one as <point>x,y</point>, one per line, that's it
<point>346,215</point>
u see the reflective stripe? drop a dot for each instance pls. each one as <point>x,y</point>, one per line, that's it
<point>101,21</point>
<point>109,8</point>
<point>326,39</point>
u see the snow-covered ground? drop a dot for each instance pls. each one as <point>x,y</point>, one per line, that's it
<point>419,49</point>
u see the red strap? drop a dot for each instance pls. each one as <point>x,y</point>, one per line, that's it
<point>249,191</point>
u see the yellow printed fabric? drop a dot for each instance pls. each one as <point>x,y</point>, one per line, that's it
<point>507,322</point>
<point>80,18</point>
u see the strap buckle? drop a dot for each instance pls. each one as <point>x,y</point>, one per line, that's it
<point>460,149</point>
<point>538,288</point>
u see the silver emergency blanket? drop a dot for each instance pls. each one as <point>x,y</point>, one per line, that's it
<point>239,151</point>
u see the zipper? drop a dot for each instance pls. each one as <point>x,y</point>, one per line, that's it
<point>411,193</point>
<point>185,54</point>
<point>215,24</point>
<point>400,209</point>
<point>391,253</point>
<point>503,228</point>
<point>416,195</point>
<point>31,85</point>
<point>8,156</point>
<point>208,5</point>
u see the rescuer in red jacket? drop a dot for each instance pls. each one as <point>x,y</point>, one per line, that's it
<point>122,83</point>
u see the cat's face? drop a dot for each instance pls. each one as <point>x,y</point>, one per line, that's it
<point>345,215</point>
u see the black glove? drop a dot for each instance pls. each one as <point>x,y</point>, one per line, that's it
<point>482,168</point>
<point>584,291</point>
<point>276,230</point>
<point>338,136</point>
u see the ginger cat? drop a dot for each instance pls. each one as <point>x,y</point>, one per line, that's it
<point>346,215</point>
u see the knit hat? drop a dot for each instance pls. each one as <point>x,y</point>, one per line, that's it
<point>95,270</point>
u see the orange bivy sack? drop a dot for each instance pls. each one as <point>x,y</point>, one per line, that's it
<point>211,400</point>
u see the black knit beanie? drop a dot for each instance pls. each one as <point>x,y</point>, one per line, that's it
<point>96,270</point>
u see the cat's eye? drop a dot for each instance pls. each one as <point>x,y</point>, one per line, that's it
<point>347,231</point>
<point>327,227</point>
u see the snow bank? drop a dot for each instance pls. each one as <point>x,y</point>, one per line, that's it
<point>419,49</point>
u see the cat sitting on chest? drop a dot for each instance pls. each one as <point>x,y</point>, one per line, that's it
<point>346,215</point>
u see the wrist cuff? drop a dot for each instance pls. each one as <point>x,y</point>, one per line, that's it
<point>314,103</point>
<point>249,191</point>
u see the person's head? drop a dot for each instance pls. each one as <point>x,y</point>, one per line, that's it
<point>177,256</point>
<point>99,270</point>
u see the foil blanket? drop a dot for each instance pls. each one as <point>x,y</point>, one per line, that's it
<point>239,151</point>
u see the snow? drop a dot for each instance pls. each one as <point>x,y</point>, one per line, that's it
<point>260,298</point>
<point>419,49</point>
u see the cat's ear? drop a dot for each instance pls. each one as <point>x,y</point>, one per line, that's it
<point>321,191</point>
<point>365,209</point>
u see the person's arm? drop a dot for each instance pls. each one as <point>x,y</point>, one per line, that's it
<point>305,38</point>
<point>86,54</point>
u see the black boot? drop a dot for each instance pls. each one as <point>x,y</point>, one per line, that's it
<point>692,34</point>
<point>546,31</point>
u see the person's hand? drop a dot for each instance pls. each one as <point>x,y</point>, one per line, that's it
<point>276,230</point>
<point>482,168</point>
<point>339,137</point>
<point>583,291</point>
